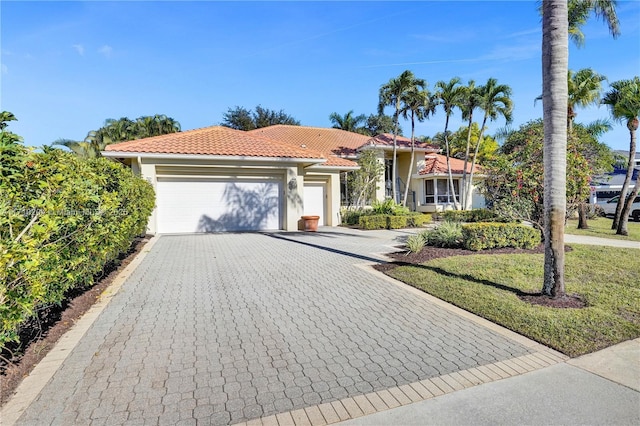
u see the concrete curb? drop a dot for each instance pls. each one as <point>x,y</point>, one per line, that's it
<point>33,384</point>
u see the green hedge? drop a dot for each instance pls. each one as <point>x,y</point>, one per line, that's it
<point>476,215</point>
<point>479,236</point>
<point>383,221</point>
<point>62,219</point>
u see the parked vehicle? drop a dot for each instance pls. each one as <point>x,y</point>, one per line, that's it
<point>609,207</point>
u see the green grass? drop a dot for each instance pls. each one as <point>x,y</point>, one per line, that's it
<point>601,227</point>
<point>487,285</point>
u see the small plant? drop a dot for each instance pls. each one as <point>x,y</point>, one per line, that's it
<point>415,243</point>
<point>447,234</point>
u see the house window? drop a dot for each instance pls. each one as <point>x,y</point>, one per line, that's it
<point>437,191</point>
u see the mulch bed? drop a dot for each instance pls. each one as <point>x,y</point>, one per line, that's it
<point>401,258</point>
<point>40,334</point>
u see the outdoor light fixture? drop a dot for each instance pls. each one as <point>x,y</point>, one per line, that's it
<point>293,184</point>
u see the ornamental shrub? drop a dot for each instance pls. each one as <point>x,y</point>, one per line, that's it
<point>417,219</point>
<point>475,215</point>
<point>415,243</point>
<point>447,234</point>
<point>479,236</point>
<point>376,221</point>
<point>62,219</point>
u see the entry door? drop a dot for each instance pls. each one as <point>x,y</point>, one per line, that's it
<point>315,201</point>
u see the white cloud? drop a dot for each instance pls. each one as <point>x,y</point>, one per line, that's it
<point>106,50</point>
<point>79,48</point>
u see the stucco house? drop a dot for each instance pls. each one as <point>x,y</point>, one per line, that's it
<point>218,179</point>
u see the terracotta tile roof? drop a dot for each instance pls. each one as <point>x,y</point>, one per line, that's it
<point>437,164</point>
<point>327,141</point>
<point>216,140</point>
<point>338,162</point>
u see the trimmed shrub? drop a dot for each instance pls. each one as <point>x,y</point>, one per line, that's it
<point>376,221</point>
<point>479,236</point>
<point>62,219</point>
<point>418,219</point>
<point>447,234</point>
<point>397,222</point>
<point>476,215</point>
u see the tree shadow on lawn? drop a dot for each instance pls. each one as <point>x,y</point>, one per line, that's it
<point>535,298</point>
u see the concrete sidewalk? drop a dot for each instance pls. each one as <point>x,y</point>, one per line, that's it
<point>599,388</point>
<point>596,241</point>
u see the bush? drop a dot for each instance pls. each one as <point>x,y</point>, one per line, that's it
<point>62,219</point>
<point>447,234</point>
<point>377,221</point>
<point>352,217</point>
<point>388,206</point>
<point>479,236</point>
<point>476,215</point>
<point>415,243</point>
<point>416,220</point>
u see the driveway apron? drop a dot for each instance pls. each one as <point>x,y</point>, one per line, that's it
<point>224,328</point>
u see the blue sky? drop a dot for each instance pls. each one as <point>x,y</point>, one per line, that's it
<point>68,66</point>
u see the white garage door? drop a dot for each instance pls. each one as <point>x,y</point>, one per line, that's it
<point>314,201</point>
<point>186,205</point>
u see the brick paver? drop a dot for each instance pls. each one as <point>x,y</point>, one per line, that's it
<point>227,328</point>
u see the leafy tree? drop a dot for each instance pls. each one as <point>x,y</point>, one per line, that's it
<point>458,140</point>
<point>121,130</point>
<point>348,122</point>
<point>240,118</point>
<point>362,182</point>
<point>391,94</point>
<point>555,66</point>
<point>449,95</point>
<point>378,124</point>
<point>623,100</point>
<point>418,104</point>
<point>515,184</point>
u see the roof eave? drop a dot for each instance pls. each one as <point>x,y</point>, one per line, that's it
<point>297,160</point>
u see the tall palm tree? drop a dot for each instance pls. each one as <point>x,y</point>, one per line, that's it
<point>623,100</point>
<point>578,14</point>
<point>348,122</point>
<point>555,66</point>
<point>417,105</point>
<point>82,149</point>
<point>469,103</point>
<point>495,101</point>
<point>391,94</point>
<point>449,95</point>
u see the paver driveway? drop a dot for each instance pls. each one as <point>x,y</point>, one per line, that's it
<point>230,327</point>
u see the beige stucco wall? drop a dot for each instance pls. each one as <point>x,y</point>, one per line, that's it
<point>293,178</point>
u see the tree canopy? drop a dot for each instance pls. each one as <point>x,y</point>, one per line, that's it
<point>241,118</point>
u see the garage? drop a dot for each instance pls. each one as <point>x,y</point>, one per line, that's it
<point>187,205</point>
<point>315,200</point>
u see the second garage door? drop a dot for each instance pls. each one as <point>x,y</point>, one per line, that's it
<point>187,205</point>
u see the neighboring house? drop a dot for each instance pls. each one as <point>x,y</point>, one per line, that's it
<point>218,179</point>
<point>608,186</point>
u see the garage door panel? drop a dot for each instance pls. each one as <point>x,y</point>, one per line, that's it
<point>206,205</point>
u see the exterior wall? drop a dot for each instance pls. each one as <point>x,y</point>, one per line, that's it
<point>293,184</point>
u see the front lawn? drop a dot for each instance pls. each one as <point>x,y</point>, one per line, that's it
<point>601,227</point>
<point>488,285</point>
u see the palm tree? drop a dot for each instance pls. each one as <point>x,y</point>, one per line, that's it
<point>555,66</point>
<point>578,14</point>
<point>495,101</point>
<point>391,95</point>
<point>83,149</point>
<point>469,102</point>
<point>623,101</point>
<point>348,122</point>
<point>417,105</point>
<point>449,96</point>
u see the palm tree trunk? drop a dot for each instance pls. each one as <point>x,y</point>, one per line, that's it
<point>582,216</point>
<point>627,179</point>
<point>463,190</point>
<point>413,154</point>
<point>622,226</point>
<point>452,190</point>
<point>475,155</point>
<point>395,150</point>
<point>555,62</point>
